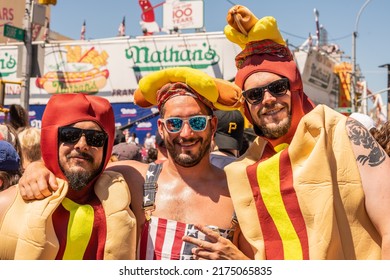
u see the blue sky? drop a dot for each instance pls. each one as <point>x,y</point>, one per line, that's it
<point>295,19</point>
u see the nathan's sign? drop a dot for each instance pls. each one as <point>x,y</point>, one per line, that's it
<point>109,67</point>
<point>148,59</point>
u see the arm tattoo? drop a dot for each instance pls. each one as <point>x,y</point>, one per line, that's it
<point>360,136</point>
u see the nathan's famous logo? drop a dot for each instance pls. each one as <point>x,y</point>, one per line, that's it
<point>146,59</point>
<point>82,72</point>
<point>7,65</point>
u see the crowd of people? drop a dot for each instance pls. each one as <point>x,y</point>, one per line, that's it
<point>305,182</point>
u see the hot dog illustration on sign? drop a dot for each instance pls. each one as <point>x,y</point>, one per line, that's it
<point>83,72</point>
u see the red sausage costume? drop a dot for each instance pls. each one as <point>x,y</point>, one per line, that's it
<point>299,196</point>
<point>58,228</point>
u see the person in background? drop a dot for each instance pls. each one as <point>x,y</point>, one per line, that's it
<point>18,117</point>
<point>314,184</point>
<point>171,218</point>
<point>228,138</point>
<point>88,215</point>
<point>152,155</point>
<point>126,151</point>
<point>9,134</point>
<point>133,139</point>
<point>10,168</point>
<point>162,153</point>
<point>30,144</point>
<point>382,136</point>
<point>120,136</point>
<point>149,141</point>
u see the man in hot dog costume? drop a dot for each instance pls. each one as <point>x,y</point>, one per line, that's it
<point>88,216</point>
<point>191,192</point>
<point>314,184</point>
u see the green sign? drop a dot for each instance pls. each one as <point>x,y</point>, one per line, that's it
<point>14,32</point>
<point>344,110</point>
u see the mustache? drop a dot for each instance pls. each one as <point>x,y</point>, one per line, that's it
<point>82,155</point>
<point>184,141</point>
<point>272,106</point>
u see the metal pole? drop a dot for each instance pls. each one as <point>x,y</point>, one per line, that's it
<point>388,89</point>
<point>353,74</point>
<point>26,57</point>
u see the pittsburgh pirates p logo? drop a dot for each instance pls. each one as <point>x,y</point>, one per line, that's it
<point>232,126</point>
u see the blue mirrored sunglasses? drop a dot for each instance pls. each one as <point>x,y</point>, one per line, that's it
<point>277,88</point>
<point>196,123</point>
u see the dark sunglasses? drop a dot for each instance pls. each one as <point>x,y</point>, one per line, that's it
<point>197,123</point>
<point>72,135</point>
<point>277,88</point>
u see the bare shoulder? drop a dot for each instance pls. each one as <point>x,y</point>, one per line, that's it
<point>367,150</point>
<point>6,198</point>
<point>128,167</point>
<point>218,178</point>
<point>133,172</point>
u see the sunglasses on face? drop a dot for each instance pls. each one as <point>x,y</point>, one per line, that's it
<point>175,124</point>
<point>277,88</point>
<point>72,135</point>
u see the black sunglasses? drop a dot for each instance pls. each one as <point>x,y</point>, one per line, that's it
<point>277,88</point>
<point>197,123</point>
<point>72,135</point>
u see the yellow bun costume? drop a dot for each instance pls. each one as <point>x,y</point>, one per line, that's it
<point>244,27</point>
<point>33,236</point>
<point>216,93</point>
<point>298,196</point>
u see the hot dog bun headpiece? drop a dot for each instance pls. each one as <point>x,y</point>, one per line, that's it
<point>265,50</point>
<point>157,87</point>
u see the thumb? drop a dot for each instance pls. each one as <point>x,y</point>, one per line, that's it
<point>53,182</point>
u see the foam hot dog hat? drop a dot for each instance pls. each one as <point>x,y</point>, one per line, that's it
<point>265,50</point>
<point>154,88</point>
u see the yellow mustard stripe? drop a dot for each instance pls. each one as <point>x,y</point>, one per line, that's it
<point>79,229</point>
<point>269,180</point>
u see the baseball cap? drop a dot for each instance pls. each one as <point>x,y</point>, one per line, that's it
<point>364,119</point>
<point>9,158</point>
<point>125,151</point>
<point>230,130</point>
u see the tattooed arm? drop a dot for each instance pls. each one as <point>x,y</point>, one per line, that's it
<point>374,167</point>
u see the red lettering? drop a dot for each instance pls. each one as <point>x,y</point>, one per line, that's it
<point>182,12</point>
<point>7,14</point>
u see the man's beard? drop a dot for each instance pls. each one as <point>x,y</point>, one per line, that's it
<point>275,130</point>
<point>189,160</point>
<point>77,180</point>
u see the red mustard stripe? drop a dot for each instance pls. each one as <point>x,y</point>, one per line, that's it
<point>272,241</point>
<point>291,202</point>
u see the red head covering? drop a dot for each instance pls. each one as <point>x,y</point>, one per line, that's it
<point>265,51</point>
<point>175,89</point>
<point>254,58</point>
<point>67,109</point>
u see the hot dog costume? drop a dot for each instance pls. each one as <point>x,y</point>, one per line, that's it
<point>30,230</point>
<point>299,196</point>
